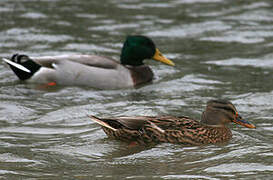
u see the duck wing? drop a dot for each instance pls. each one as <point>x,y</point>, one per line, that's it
<point>89,60</point>
<point>162,122</point>
<point>175,123</point>
<point>133,123</point>
<point>130,123</point>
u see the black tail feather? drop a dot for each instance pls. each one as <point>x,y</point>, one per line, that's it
<point>25,61</point>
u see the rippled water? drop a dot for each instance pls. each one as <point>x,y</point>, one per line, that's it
<point>222,49</point>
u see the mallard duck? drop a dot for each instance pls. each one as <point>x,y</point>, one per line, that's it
<point>91,70</point>
<point>145,130</point>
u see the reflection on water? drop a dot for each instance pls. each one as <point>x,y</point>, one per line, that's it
<point>222,49</point>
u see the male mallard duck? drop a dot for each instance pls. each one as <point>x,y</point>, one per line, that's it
<point>91,70</point>
<point>146,129</point>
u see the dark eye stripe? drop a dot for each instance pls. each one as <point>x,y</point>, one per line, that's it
<point>223,105</point>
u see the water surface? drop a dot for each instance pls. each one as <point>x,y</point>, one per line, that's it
<point>222,49</point>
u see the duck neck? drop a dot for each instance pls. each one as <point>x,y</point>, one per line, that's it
<point>130,57</point>
<point>211,118</point>
<point>132,61</point>
<point>219,134</point>
<point>141,74</point>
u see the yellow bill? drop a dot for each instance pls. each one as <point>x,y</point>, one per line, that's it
<point>158,56</point>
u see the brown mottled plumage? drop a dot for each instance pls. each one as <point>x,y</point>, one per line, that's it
<point>147,129</point>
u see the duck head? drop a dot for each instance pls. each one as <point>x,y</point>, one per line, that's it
<point>222,112</point>
<point>137,48</point>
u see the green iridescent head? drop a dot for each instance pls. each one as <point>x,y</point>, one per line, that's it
<point>137,48</point>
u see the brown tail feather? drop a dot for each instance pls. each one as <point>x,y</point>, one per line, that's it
<point>102,123</point>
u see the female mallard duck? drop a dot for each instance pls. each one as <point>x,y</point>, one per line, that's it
<point>146,129</point>
<point>91,70</point>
